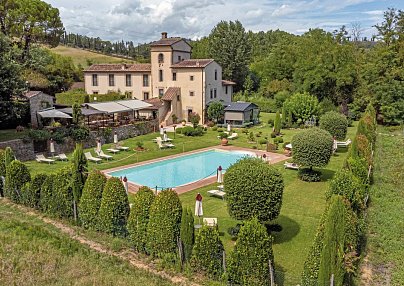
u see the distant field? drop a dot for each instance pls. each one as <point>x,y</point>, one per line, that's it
<point>80,56</point>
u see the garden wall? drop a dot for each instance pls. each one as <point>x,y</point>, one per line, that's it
<point>24,151</point>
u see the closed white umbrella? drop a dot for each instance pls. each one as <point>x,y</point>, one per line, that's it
<point>161,130</point>
<point>198,205</point>
<point>98,145</point>
<point>165,137</point>
<point>115,138</point>
<point>220,175</point>
<point>126,184</point>
<point>52,146</point>
<point>228,127</point>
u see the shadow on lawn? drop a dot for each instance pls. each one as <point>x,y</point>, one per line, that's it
<point>283,229</point>
<point>326,174</point>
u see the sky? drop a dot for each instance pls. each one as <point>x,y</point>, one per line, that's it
<point>143,21</point>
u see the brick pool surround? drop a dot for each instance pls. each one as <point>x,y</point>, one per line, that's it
<point>133,188</point>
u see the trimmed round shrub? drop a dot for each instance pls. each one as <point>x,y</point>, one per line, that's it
<point>191,131</point>
<point>345,184</point>
<point>90,200</point>
<point>187,232</point>
<point>253,189</point>
<point>312,147</point>
<point>249,261</point>
<point>335,123</point>
<point>139,218</point>
<point>17,174</point>
<point>114,209</point>
<point>207,254</point>
<point>46,201</point>
<point>163,229</point>
<point>63,193</point>
<point>308,175</point>
<point>32,193</point>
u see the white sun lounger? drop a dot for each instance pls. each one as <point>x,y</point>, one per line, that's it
<point>165,145</point>
<point>217,193</point>
<point>233,136</point>
<point>90,157</point>
<point>123,148</point>
<point>41,159</point>
<point>102,155</point>
<point>344,144</point>
<point>62,157</point>
<point>112,150</point>
<point>293,166</point>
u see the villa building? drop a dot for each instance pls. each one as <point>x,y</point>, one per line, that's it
<point>183,85</point>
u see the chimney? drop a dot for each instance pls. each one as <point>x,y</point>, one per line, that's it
<point>124,67</point>
<point>197,63</point>
<point>164,35</point>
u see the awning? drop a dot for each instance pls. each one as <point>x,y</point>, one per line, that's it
<point>134,104</point>
<point>84,111</point>
<point>53,113</point>
<point>109,107</point>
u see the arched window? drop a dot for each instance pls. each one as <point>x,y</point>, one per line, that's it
<point>161,58</point>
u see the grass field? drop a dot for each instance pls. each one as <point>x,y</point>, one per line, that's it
<point>384,261</point>
<point>10,134</point>
<point>80,56</point>
<point>35,253</point>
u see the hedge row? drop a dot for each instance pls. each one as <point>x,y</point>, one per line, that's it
<point>341,224</point>
<point>80,96</point>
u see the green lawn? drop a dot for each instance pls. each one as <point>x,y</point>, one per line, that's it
<point>10,134</point>
<point>384,262</point>
<point>36,253</point>
<point>80,56</point>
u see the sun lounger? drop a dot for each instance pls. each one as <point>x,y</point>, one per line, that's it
<point>210,221</point>
<point>112,150</point>
<point>233,136</point>
<point>90,157</point>
<point>344,144</point>
<point>293,166</point>
<point>62,157</point>
<point>123,148</point>
<point>217,193</point>
<point>41,159</point>
<point>163,145</point>
<point>102,155</point>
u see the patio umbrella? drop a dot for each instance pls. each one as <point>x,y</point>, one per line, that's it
<point>220,175</point>
<point>165,137</point>
<point>161,130</point>
<point>98,145</point>
<point>115,138</point>
<point>126,184</point>
<point>228,127</point>
<point>52,146</point>
<point>198,205</point>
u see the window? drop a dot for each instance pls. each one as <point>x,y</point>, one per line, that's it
<point>161,58</point>
<point>215,93</point>
<point>95,92</point>
<point>128,80</point>
<point>178,98</point>
<point>191,77</point>
<point>111,80</point>
<point>211,93</point>
<point>226,89</point>
<point>179,58</point>
<point>215,74</point>
<point>145,95</point>
<point>161,92</point>
<point>145,80</point>
<point>191,93</point>
<point>160,75</point>
<point>45,104</point>
<point>174,76</point>
<point>95,80</point>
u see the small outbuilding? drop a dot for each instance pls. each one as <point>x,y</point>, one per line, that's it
<point>38,101</point>
<point>241,113</point>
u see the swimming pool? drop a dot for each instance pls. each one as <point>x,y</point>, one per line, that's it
<point>182,170</point>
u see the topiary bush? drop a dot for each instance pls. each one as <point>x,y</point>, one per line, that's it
<point>90,200</point>
<point>358,167</point>
<point>253,189</point>
<point>345,184</point>
<point>139,218</point>
<point>17,174</point>
<point>249,262</point>
<point>335,123</point>
<point>191,131</point>
<point>63,193</point>
<point>46,201</point>
<point>207,254</point>
<point>312,148</point>
<point>2,172</point>
<point>163,228</point>
<point>187,232</point>
<point>308,175</point>
<point>31,194</point>
<point>79,176</point>
<point>114,209</point>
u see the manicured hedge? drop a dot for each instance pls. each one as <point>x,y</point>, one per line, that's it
<point>2,171</point>
<point>139,218</point>
<point>80,96</point>
<point>253,189</point>
<point>187,232</point>
<point>62,196</point>
<point>335,123</point>
<point>114,209</point>
<point>163,228</point>
<point>207,254</point>
<point>46,201</point>
<point>90,200</point>
<point>249,261</point>
<point>17,174</point>
<point>31,194</point>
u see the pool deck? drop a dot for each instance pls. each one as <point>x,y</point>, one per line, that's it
<point>133,188</point>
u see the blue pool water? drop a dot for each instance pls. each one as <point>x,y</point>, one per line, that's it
<point>181,170</point>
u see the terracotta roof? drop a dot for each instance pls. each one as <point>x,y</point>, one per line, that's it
<point>78,85</point>
<point>171,92</point>
<point>166,41</point>
<point>30,94</point>
<point>155,102</point>
<point>228,82</point>
<point>119,68</point>
<point>193,63</point>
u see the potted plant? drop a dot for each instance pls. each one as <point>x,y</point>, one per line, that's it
<point>223,137</point>
<point>183,122</point>
<point>139,146</point>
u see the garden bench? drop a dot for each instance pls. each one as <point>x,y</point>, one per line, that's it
<point>210,221</point>
<point>293,166</point>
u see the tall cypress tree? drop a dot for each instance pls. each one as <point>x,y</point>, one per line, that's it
<point>187,232</point>
<point>79,175</point>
